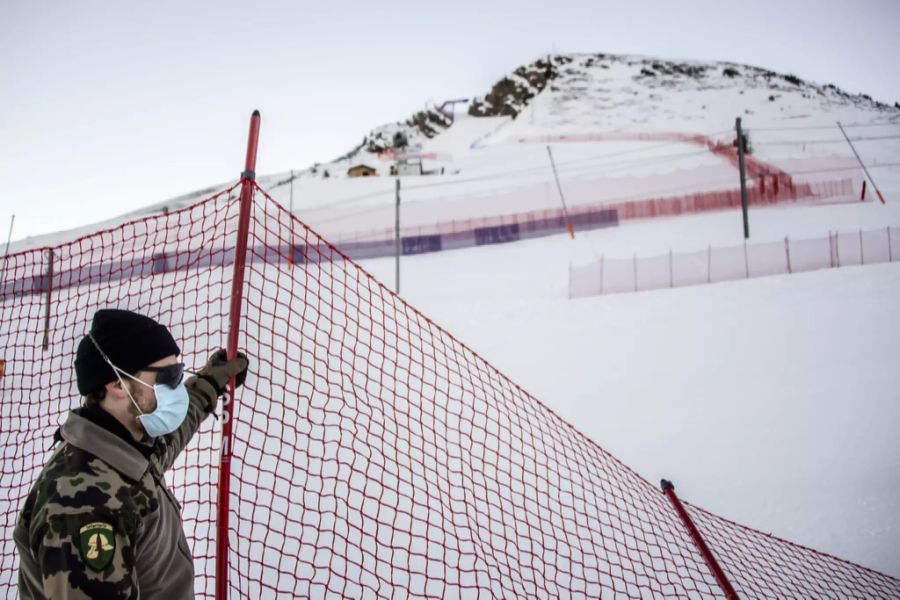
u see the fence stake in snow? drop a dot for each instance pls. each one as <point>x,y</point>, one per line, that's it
<point>397,248</point>
<point>862,195</point>
<point>9,235</point>
<point>671,275</point>
<point>709,263</point>
<point>890,251</point>
<point>562,198</point>
<point>601,274</point>
<point>862,256</point>
<point>50,257</point>
<point>740,145</point>
<point>292,191</point>
<point>830,251</point>
<point>634,270</point>
<point>865,170</point>
<point>787,253</point>
<point>669,490</point>
<point>237,293</point>
<point>837,250</point>
<point>746,262</point>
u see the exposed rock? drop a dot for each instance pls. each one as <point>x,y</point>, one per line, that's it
<point>512,93</point>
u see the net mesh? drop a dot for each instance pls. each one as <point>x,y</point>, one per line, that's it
<point>374,455</point>
<point>764,566</point>
<point>172,267</point>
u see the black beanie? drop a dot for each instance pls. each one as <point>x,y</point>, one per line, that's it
<point>131,341</point>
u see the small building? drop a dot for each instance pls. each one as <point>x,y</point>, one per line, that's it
<point>410,166</point>
<point>361,171</point>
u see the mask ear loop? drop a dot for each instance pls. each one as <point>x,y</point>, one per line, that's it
<point>116,371</point>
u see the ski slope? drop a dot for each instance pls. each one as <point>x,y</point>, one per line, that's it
<point>773,401</point>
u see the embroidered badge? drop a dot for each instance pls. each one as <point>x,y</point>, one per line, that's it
<point>98,545</point>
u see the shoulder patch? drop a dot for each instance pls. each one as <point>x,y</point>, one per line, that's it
<point>97,542</point>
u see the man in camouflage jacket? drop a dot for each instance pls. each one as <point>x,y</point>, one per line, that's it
<point>100,521</point>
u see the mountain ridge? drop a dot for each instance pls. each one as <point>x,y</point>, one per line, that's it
<point>571,74</point>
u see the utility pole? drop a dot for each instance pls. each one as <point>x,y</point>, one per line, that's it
<point>9,236</point>
<point>562,198</point>
<point>865,170</point>
<point>397,247</point>
<point>740,145</point>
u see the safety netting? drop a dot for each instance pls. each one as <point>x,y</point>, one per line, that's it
<point>374,455</point>
<point>614,275</point>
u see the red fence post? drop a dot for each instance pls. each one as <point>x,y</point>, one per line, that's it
<point>862,195</point>
<point>248,178</point>
<point>698,540</point>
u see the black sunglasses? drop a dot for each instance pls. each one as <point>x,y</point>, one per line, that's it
<point>170,375</point>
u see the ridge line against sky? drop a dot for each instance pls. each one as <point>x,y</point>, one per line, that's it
<point>110,107</point>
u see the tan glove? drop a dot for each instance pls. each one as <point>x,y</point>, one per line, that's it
<point>211,381</point>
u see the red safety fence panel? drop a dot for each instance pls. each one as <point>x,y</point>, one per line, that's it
<point>764,566</point>
<point>374,455</point>
<point>170,267</point>
<point>551,221</point>
<point>380,457</point>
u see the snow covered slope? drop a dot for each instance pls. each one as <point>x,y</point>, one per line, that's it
<point>773,402</point>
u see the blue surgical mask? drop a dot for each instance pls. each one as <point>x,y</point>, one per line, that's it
<point>171,403</point>
<point>171,407</point>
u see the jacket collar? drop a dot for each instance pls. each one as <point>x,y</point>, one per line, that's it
<point>105,445</point>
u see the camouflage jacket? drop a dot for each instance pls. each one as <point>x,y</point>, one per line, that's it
<point>100,521</point>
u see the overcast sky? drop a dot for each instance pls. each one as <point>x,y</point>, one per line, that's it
<point>109,106</point>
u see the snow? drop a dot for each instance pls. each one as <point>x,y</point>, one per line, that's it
<point>772,402</point>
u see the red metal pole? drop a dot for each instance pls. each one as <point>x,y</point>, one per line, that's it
<point>669,490</point>
<point>237,294</point>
